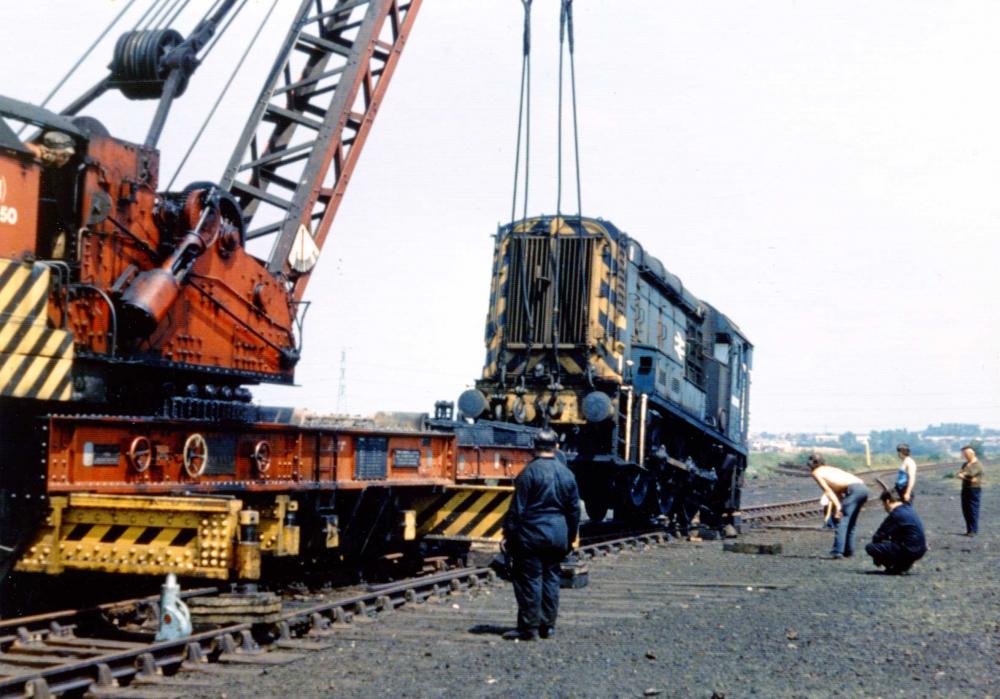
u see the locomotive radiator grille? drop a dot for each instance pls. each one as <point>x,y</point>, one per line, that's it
<point>532,279</point>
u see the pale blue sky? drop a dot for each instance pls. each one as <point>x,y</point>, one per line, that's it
<point>824,173</point>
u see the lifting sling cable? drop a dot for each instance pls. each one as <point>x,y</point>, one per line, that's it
<point>523,116</point>
<point>82,58</point>
<point>225,88</point>
<point>565,31</point>
<point>566,38</point>
<point>524,124</point>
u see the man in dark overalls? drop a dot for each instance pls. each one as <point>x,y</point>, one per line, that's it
<point>900,541</point>
<point>540,528</point>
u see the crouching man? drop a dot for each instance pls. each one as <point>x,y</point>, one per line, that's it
<point>540,528</point>
<point>899,541</point>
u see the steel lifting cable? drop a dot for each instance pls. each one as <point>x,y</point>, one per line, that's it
<point>572,79</point>
<point>565,27</point>
<point>568,16</point>
<point>225,88</point>
<point>219,34</point>
<point>149,10</point>
<point>82,58</point>
<point>524,126</point>
<point>176,14</point>
<point>153,22</point>
<point>566,37</point>
<point>523,115</point>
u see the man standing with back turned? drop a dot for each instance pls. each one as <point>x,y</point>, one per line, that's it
<point>540,528</point>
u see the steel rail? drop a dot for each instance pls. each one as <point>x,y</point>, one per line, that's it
<point>102,670</point>
<point>14,628</point>
<point>800,509</point>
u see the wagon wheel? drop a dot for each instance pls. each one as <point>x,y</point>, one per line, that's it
<point>195,455</point>
<point>140,454</point>
<point>262,456</point>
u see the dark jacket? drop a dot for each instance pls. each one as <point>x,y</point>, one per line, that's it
<point>544,512</point>
<point>903,527</point>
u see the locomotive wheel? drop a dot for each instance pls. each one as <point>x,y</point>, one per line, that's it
<point>195,455</point>
<point>637,489</point>
<point>666,496</point>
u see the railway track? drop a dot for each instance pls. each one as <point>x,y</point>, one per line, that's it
<point>73,651</point>
<point>802,471</point>
<point>57,653</point>
<point>810,507</point>
<point>81,651</point>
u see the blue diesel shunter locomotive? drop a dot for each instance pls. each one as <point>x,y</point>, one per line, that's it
<point>647,384</point>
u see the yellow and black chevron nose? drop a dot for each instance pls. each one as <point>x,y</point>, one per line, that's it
<point>35,359</point>
<point>465,512</point>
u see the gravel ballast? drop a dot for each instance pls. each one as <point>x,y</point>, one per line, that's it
<point>689,619</point>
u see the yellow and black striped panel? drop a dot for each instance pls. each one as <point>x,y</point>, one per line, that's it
<point>35,360</point>
<point>498,308</point>
<point>24,292</point>
<point>609,324</point>
<point>467,513</point>
<point>135,535</point>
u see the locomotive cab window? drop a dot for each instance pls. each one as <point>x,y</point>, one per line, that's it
<point>722,345</point>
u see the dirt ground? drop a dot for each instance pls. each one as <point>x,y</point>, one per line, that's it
<point>690,620</point>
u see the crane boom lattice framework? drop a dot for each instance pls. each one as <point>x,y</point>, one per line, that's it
<point>350,50</point>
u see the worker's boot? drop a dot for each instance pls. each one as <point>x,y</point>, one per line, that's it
<point>519,635</point>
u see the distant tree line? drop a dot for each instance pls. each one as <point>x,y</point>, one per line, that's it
<point>953,429</point>
<point>885,441</point>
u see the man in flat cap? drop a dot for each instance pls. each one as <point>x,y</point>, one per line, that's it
<point>899,541</point>
<point>540,528</point>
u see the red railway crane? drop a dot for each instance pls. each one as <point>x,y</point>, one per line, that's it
<point>132,319</point>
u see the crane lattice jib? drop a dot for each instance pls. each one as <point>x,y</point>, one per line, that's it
<point>296,154</point>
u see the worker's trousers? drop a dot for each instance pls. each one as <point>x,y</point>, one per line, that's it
<point>536,586</point>
<point>851,502</point>
<point>970,509</point>
<point>894,557</point>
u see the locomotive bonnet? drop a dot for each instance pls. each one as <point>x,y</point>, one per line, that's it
<point>648,385</point>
